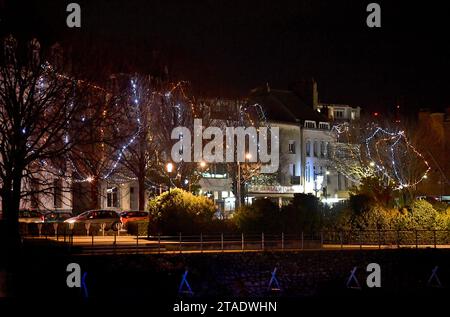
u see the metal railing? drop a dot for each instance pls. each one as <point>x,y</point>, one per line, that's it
<point>117,241</point>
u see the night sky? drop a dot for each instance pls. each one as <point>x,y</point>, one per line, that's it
<point>225,48</point>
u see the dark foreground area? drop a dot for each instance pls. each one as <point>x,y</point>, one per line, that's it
<point>304,278</point>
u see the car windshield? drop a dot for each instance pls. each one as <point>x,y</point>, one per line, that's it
<point>84,215</point>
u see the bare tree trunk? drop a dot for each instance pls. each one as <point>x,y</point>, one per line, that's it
<point>141,181</point>
<point>94,194</point>
<point>11,243</point>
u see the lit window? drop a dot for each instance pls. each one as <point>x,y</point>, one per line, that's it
<point>310,124</point>
<point>291,147</point>
<point>112,197</point>
<point>339,114</point>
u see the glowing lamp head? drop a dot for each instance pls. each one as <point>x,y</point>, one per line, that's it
<point>248,156</point>
<point>169,167</point>
<point>372,164</point>
<point>202,164</point>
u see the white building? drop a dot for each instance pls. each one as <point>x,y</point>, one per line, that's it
<point>305,149</point>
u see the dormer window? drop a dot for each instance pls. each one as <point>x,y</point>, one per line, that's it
<point>324,125</point>
<point>310,124</point>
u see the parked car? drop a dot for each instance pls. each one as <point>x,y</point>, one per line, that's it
<point>57,216</point>
<point>109,217</point>
<point>128,216</point>
<point>30,216</point>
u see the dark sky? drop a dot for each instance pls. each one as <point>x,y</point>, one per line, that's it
<point>226,48</point>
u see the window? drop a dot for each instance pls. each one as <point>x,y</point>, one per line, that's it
<point>315,148</point>
<point>324,125</point>
<point>291,147</point>
<point>112,197</point>
<point>215,170</point>
<point>352,115</point>
<point>307,173</point>
<point>57,193</point>
<point>292,169</point>
<point>310,124</point>
<point>338,114</point>
<point>132,199</point>
<point>322,149</point>
<point>308,148</point>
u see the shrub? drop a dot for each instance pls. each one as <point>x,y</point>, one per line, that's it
<point>180,211</point>
<point>423,215</point>
<point>304,213</point>
<point>138,227</point>
<point>262,216</point>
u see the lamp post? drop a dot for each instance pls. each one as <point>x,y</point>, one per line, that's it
<point>202,169</point>
<point>248,156</point>
<point>169,169</point>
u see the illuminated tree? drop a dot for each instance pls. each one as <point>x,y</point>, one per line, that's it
<point>44,115</point>
<point>154,107</point>
<point>385,153</point>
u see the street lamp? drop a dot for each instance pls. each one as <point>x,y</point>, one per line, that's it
<point>248,156</point>
<point>169,169</point>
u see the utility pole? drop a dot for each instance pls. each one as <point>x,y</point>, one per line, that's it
<point>238,185</point>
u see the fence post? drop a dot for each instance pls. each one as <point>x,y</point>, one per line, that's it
<point>303,240</point>
<point>342,240</point>
<point>159,243</point>
<point>262,241</point>
<point>221,241</point>
<point>180,243</point>
<point>55,227</point>
<point>92,243</point>
<point>242,241</point>
<point>398,239</point>
<point>417,240</point>
<point>137,241</point>
<point>201,242</point>
<point>360,240</point>
<point>434,233</point>
<point>379,239</point>
<point>282,241</point>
